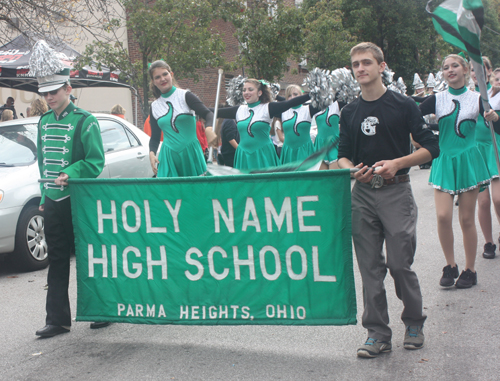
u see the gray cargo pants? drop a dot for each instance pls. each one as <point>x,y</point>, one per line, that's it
<point>388,213</point>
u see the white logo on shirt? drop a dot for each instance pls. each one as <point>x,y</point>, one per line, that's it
<point>369,126</point>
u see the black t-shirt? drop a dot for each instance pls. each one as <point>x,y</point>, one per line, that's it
<point>380,130</point>
<point>228,132</point>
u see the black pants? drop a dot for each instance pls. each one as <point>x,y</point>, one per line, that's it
<point>60,244</point>
<point>228,160</point>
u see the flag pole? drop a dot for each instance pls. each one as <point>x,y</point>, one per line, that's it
<point>216,109</point>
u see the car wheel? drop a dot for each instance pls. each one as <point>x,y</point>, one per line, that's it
<point>31,248</point>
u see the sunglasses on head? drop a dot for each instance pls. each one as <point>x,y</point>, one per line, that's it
<point>53,92</point>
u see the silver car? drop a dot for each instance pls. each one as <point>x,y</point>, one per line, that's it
<point>21,223</point>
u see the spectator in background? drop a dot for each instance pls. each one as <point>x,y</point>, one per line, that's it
<point>38,108</point>
<point>202,138</point>
<point>9,105</point>
<point>7,115</point>
<point>118,110</point>
<point>230,138</point>
<point>147,128</point>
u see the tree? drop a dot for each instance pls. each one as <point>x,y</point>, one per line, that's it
<point>61,19</point>
<point>490,38</point>
<point>269,33</point>
<point>177,31</point>
<point>326,42</point>
<point>402,29</point>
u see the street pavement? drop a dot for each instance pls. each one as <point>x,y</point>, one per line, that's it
<point>462,332</point>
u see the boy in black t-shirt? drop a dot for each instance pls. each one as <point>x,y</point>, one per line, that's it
<point>375,132</point>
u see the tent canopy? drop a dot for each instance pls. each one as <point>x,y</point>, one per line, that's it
<point>14,67</point>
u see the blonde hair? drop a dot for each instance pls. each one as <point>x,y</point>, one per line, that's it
<point>7,115</point>
<point>38,107</point>
<point>118,110</point>
<point>289,90</point>
<point>362,47</point>
<point>159,64</point>
<point>266,96</point>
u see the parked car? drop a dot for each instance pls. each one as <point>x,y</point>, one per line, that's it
<point>21,223</point>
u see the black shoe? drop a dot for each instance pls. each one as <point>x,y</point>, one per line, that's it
<point>449,276</point>
<point>99,324</point>
<point>467,279</point>
<point>489,250</point>
<point>51,330</point>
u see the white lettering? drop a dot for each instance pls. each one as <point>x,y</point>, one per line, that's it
<point>102,216</point>
<point>137,212</point>
<point>184,312</point>
<point>121,308</point>
<point>317,276</point>
<point>161,262</point>
<point>161,312</point>
<point>211,265</point>
<point>174,212</point>
<point>220,212</point>
<point>194,262</point>
<point>149,226</point>
<point>98,261</point>
<point>150,310</point>
<point>301,213</point>
<point>243,262</point>
<point>271,214</point>
<point>263,268</point>
<point>223,312</point>
<point>250,211</point>
<point>288,255</point>
<point>136,266</point>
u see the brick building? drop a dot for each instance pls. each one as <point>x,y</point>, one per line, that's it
<point>206,87</point>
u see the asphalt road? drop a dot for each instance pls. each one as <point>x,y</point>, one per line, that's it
<point>462,333</point>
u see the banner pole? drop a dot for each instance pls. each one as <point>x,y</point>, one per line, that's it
<point>216,109</point>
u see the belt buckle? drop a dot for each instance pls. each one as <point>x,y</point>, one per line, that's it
<point>377,181</point>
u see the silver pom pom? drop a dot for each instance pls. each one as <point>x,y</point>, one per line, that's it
<point>234,92</point>
<point>387,76</point>
<point>344,86</point>
<point>400,84</point>
<point>398,87</point>
<point>320,91</point>
<point>44,61</point>
<point>275,89</point>
<point>441,84</point>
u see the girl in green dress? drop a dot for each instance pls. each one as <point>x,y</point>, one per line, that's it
<point>460,168</point>
<point>485,144</point>
<point>173,113</point>
<point>256,149</point>
<point>296,129</point>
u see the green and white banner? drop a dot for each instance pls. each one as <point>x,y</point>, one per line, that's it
<point>248,249</point>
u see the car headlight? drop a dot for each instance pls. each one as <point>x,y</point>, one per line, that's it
<point>1,195</point>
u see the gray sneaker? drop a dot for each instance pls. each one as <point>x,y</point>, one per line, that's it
<point>414,337</point>
<point>374,347</point>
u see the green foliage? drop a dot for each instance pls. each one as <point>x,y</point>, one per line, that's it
<point>490,38</point>
<point>268,33</point>
<point>177,31</point>
<point>327,42</point>
<point>402,29</point>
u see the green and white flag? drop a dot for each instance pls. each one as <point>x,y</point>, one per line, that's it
<point>459,22</point>
<point>250,249</point>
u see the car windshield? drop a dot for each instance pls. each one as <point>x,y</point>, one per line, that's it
<point>18,145</point>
